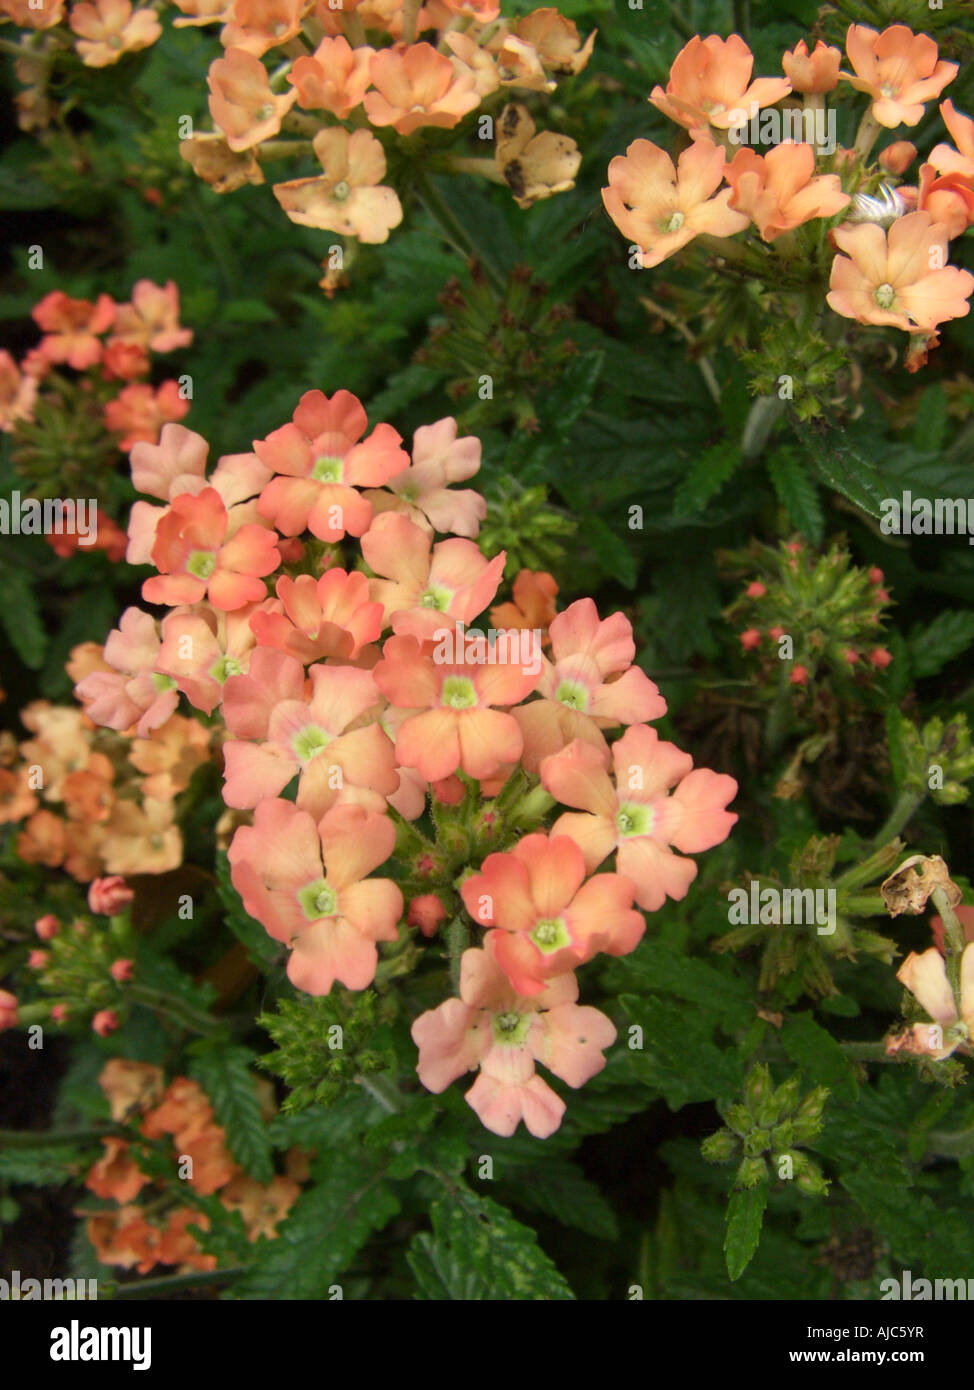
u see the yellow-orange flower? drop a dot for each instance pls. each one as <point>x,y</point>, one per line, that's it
<point>960,161</point>
<point>949,198</point>
<point>710,85</point>
<point>812,72</point>
<point>780,190</point>
<point>899,70</point>
<point>108,28</point>
<point>419,87</point>
<point>350,197</point>
<point>660,208</point>
<point>900,279</point>
<point>241,101</point>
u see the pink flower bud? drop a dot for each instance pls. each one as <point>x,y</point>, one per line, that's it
<point>8,1010</point>
<point>291,549</point>
<point>37,960</point>
<point>47,927</point>
<point>121,970</point>
<point>60,1013</point>
<point>876,575</point>
<point>815,72</point>
<point>776,633</point>
<point>426,912</point>
<point>799,675</point>
<point>756,589</point>
<point>880,657</point>
<point>104,1022</point>
<point>750,638</point>
<point>898,157</point>
<point>851,655</point>
<point>109,895</point>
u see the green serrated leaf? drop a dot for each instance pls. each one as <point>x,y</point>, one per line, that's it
<point>842,467</point>
<point>745,1216</point>
<point>324,1230</point>
<point>224,1073</point>
<point>477,1251</point>
<point>798,495</point>
<point>559,1189</point>
<point>706,477</point>
<point>820,1057</point>
<point>21,617</point>
<point>932,645</point>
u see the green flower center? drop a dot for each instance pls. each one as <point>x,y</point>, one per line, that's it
<point>318,899</point>
<point>265,112</point>
<point>224,667</point>
<point>634,819</point>
<point>327,469</point>
<point>673,223</point>
<point>436,597</point>
<point>884,295</point>
<point>341,191</point>
<point>550,934</point>
<point>458,692</point>
<point>572,694</point>
<point>510,1029</point>
<point>309,743</point>
<point>201,563</point>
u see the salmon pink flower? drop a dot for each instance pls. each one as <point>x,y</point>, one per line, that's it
<point>134,692</point>
<point>948,198</point>
<point>425,590</point>
<point>334,78</point>
<point>422,491</point>
<point>426,912</point>
<point>142,839</point>
<point>504,1034</point>
<point>960,161</point>
<point>196,560</point>
<point>242,103</point>
<point>116,1174</point>
<point>780,190</point>
<point>72,327</point>
<point>320,462</point>
<point>109,28</point>
<point>17,393</point>
<point>897,157</point>
<point>140,411</point>
<point>533,606</point>
<point>887,278</point>
<point>546,918</point>
<point>710,85</point>
<point>279,733</point>
<point>589,684</point>
<point>108,896</point>
<point>313,620</point>
<point>25,16</point>
<point>925,976</point>
<point>308,887</point>
<point>201,650</point>
<point>555,39</point>
<point>8,1010</point>
<point>151,320</point>
<point>349,198</point>
<point>660,207</point>
<point>104,1022</point>
<point>47,927</point>
<point>417,86</point>
<point>812,73</point>
<point>169,758</point>
<point>898,69</point>
<point>637,816</point>
<point>453,725</point>
<point>257,25</point>
<point>121,970</point>
<point>17,798</point>
<point>164,468</point>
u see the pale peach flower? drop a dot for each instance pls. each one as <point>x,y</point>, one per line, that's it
<point>349,197</point>
<point>898,69</point>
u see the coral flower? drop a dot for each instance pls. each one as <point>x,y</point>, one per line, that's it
<point>196,560</point>
<point>71,328</point>
<point>350,197</point>
<point>169,758</point>
<point>533,605</point>
<point>417,87</point>
<point>710,85</point>
<point>116,1174</point>
<point>8,1010</point>
<point>321,463</point>
<point>279,733</point>
<point>589,684</point>
<point>242,103</point>
<point>139,412</point>
<point>637,817</point>
<point>546,918</point>
<point>334,78</point>
<point>660,207</point>
<point>422,491</point>
<point>151,320</point>
<point>960,161</point>
<point>780,190</point>
<point>424,589</point>
<point>454,725</point>
<point>555,39</point>
<point>133,692</point>
<point>505,1034</point>
<point>898,69</point>
<point>948,198</point>
<point>812,73</point>
<point>201,650</point>
<point>109,28</point>
<point>257,25</point>
<point>18,393</point>
<point>925,976</point>
<point>314,620</point>
<point>307,886</point>
<point>888,278</point>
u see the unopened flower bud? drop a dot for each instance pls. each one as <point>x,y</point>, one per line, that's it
<point>108,896</point>
<point>8,1010</point>
<point>720,1147</point>
<point>104,1022</point>
<point>751,1172</point>
<point>121,970</point>
<point>47,927</point>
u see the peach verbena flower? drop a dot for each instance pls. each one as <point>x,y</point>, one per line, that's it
<point>504,1034</point>
<point>925,976</point>
<point>960,160</point>
<point>423,492</point>
<point>710,85</point>
<point>417,86</point>
<point>109,28</point>
<point>242,103</point>
<point>308,886</point>
<point>898,69</point>
<point>660,207</point>
<point>780,190</point>
<point>196,559</point>
<point>813,72</point>
<point>900,278</point>
<point>636,815</point>
<point>332,617</point>
<point>349,198</point>
<point>546,919</point>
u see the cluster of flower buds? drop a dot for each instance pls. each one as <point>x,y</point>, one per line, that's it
<point>772,1121</point>
<point>82,394</point>
<point>170,1136</point>
<point>808,614</point>
<point>828,212</point>
<point>360,689</point>
<point>94,802</point>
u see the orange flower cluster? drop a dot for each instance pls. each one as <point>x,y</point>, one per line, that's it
<point>93,801</point>
<point>137,1236</point>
